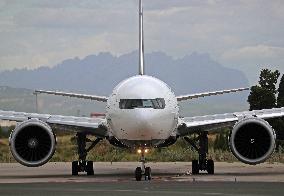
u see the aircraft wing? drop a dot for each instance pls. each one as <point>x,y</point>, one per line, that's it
<point>189,125</point>
<point>94,126</point>
<point>76,95</point>
<point>206,94</point>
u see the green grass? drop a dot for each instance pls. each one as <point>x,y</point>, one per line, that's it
<point>66,151</point>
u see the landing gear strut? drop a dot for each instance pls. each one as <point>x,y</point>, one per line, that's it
<point>202,164</point>
<point>143,170</point>
<point>82,165</point>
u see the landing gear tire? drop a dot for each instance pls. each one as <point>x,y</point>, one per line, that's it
<point>90,168</point>
<point>202,164</point>
<point>75,168</point>
<point>210,166</point>
<point>148,175</point>
<point>195,167</point>
<point>82,165</point>
<point>138,174</point>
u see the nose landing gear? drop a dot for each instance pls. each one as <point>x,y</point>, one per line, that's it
<point>143,170</point>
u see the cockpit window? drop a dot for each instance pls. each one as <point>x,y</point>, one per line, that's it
<point>158,103</point>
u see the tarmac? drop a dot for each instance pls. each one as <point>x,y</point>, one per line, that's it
<point>117,178</point>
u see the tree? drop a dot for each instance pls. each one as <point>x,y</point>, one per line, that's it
<point>280,103</point>
<point>268,79</point>
<point>280,98</point>
<point>1,132</point>
<point>263,96</point>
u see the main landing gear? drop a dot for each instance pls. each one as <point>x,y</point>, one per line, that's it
<point>202,164</point>
<point>82,165</point>
<point>143,170</point>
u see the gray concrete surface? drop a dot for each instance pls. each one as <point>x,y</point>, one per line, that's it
<point>133,188</point>
<point>118,179</point>
<point>124,171</point>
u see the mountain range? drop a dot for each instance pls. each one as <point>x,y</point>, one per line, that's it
<point>98,74</point>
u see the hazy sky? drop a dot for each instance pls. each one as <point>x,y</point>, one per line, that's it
<point>243,34</point>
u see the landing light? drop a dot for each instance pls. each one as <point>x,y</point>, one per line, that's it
<point>139,151</point>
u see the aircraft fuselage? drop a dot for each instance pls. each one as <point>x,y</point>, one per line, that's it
<point>142,110</point>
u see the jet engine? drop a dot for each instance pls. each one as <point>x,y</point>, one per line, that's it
<point>252,140</point>
<point>32,143</point>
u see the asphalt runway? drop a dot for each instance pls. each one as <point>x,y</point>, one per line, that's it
<point>118,179</point>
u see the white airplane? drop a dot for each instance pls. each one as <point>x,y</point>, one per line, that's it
<point>142,113</point>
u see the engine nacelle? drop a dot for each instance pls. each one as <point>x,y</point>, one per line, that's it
<point>32,143</point>
<point>252,140</point>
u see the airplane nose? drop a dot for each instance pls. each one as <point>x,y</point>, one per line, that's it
<point>152,124</point>
<point>144,120</point>
<point>143,124</point>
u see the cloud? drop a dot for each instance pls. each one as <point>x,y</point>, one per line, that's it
<point>52,53</point>
<point>236,33</point>
<point>250,53</point>
<point>251,59</point>
<point>72,18</point>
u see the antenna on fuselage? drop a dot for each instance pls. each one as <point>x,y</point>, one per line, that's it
<point>141,40</point>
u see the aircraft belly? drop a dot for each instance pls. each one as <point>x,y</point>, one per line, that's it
<point>142,143</point>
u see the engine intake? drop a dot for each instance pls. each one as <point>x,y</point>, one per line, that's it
<point>252,140</point>
<point>32,143</point>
